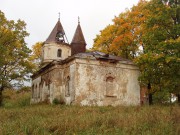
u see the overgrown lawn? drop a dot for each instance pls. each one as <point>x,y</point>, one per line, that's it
<point>60,119</point>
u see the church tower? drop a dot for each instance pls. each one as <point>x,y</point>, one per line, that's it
<point>78,44</point>
<point>56,46</point>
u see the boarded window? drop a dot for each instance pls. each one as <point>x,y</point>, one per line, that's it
<point>67,90</point>
<point>59,53</point>
<point>110,86</point>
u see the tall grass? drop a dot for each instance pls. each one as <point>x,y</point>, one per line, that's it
<point>13,98</point>
<point>61,119</point>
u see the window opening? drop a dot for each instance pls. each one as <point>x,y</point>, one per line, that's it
<point>110,86</point>
<point>59,53</point>
<point>67,91</point>
<point>60,37</point>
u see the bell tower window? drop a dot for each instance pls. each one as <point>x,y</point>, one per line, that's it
<point>59,52</point>
<point>60,37</point>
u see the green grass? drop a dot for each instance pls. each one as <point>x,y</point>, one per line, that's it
<point>13,99</point>
<point>25,119</point>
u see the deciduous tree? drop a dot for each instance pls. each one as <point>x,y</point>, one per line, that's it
<point>36,56</point>
<point>123,37</point>
<point>148,34</point>
<point>160,61</point>
<point>14,59</point>
<point>103,41</point>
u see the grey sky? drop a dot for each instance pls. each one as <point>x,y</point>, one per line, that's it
<point>42,15</point>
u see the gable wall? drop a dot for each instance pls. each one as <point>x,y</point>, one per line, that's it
<point>102,83</point>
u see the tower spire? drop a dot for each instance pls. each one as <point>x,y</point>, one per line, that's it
<point>78,44</point>
<point>57,35</point>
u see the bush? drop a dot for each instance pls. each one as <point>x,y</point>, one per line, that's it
<point>24,101</point>
<point>56,101</point>
<point>24,89</point>
<point>13,99</point>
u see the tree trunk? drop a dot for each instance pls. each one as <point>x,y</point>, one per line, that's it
<point>150,99</point>
<point>1,97</point>
<point>170,101</point>
<point>178,98</point>
<point>150,95</point>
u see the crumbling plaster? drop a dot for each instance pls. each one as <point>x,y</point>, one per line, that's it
<point>91,82</point>
<point>92,87</point>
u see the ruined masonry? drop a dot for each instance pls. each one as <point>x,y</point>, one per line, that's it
<point>74,76</point>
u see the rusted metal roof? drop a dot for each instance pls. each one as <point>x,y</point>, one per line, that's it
<point>57,35</point>
<point>78,43</point>
<point>101,56</point>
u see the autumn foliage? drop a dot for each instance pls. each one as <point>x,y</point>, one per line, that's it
<point>148,34</point>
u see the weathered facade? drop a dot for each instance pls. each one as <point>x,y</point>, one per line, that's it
<point>84,78</point>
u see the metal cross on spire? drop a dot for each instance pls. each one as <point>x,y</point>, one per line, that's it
<point>78,20</point>
<point>59,16</point>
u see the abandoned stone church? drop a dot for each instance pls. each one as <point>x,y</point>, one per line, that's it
<point>74,76</point>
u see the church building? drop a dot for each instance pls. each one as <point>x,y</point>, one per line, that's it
<point>73,76</point>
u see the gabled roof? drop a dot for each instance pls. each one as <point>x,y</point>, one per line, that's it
<point>58,29</point>
<point>78,36</point>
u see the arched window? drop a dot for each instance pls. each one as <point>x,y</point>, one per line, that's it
<point>109,79</point>
<point>67,90</point>
<point>59,53</point>
<point>60,37</point>
<point>110,86</point>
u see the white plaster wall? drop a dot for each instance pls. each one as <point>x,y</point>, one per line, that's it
<point>35,93</point>
<point>71,74</point>
<point>91,83</point>
<point>88,85</point>
<point>54,83</point>
<point>50,52</point>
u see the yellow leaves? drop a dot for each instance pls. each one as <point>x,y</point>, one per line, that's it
<point>155,27</point>
<point>18,45</point>
<point>36,56</point>
<point>172,59</point>
<point>123,35</point>
<point>103,41</point>
<point>168,59</point>
<point>37,49</point>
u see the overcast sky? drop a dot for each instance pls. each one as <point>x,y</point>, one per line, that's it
<point>42,15</point>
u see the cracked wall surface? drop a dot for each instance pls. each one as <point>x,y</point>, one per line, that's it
<point>102,83</point>
<point>88,82</point>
